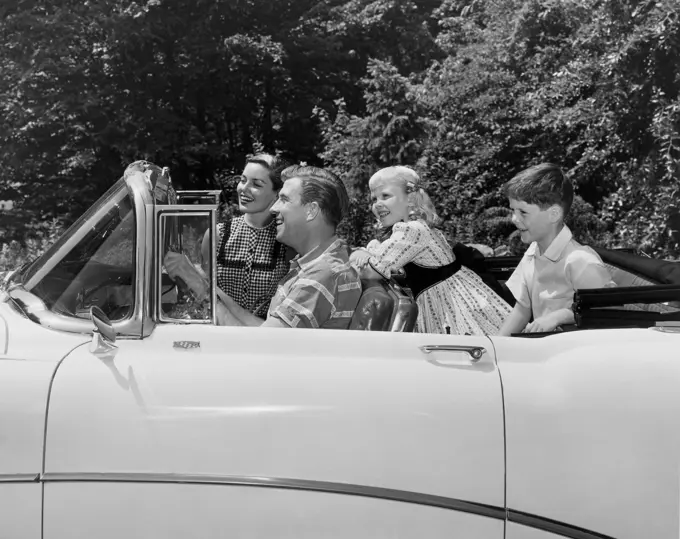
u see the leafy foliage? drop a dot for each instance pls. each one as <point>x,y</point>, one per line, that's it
<point>469,92</point>
<point>15,254</point>
<point>590,85</point>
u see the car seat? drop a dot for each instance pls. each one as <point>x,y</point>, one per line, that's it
<point>384,306</point>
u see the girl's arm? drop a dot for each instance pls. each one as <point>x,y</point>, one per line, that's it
<point>368,273</point>
<point>359,257</point>
<point>407,241</point>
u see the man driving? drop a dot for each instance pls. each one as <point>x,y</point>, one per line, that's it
<point>321,290</point>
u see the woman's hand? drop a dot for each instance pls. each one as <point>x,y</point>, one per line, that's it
<point>186,275</point>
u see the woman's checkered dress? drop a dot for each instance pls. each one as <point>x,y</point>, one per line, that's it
<point>250,263</point>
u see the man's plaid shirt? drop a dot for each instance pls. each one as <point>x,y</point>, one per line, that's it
<point>321,290</point>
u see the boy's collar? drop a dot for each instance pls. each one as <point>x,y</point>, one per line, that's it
<point>556,247</point>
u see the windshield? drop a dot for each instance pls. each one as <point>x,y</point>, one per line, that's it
<point>93,263</point>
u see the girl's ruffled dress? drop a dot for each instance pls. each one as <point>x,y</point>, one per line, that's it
<point>451,298</point>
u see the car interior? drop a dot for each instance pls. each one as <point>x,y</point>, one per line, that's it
<point>647,292</point>
<point>384,306</point>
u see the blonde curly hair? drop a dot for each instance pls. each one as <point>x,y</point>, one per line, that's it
<point>420,204</point>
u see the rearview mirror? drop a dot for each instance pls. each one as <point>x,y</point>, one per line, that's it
<point>103,326</point>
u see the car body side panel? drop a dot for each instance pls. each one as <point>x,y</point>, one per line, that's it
<point>593,429</point>
<point>364,408</point>
<point>517,531</point>
<point>29,341</point>
<point>172,511</point>
<point>23,400</point>
<point>20,510</point>
<point>29,357</point>
<point>25,374</point>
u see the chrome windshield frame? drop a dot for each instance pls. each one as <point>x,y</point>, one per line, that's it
<point>139,322</point>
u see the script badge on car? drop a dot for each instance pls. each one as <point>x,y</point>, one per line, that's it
<point>187,345</point>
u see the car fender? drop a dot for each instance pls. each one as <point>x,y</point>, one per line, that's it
<point>29,357</point>
<point>592,429</point>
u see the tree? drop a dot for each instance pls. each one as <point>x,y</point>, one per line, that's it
<point>390,133</point>
<point>469,92</point>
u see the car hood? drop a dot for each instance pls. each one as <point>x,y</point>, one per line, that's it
<point>29,356</point>
<point>22,338</point>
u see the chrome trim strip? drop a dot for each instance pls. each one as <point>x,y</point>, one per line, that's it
<point>405,496</point>
<point>553,526</point>
<point>20,478</point>
<point>134,325</point>
<point>284,483</point>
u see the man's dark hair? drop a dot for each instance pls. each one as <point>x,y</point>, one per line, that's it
<point>543,185</point>
<point>324,188</point>
<point>274,164</point>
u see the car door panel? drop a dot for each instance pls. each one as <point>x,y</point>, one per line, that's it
<point>359,408</point>
<point>20,510</point>
<point>173,511</point>
<point>517,531</point>
<point>601,460</point>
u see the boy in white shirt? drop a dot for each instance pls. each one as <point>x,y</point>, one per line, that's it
<point>554,265</point>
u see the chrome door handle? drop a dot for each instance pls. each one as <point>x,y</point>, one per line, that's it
<point>475,352</point>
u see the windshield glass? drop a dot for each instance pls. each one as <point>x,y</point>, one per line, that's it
<point>93,263</point>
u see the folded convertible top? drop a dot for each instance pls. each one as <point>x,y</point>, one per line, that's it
<point>660,271</point>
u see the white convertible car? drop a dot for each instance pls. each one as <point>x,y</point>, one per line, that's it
<point>126,412</point>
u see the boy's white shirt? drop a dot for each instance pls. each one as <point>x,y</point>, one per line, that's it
<point>545,282</point>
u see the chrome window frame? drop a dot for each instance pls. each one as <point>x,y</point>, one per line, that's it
<point>188,210</point>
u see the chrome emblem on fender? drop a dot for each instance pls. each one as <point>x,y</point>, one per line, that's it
<point>187,345</point>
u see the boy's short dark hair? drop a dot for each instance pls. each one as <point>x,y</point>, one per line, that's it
<point>543,185</point>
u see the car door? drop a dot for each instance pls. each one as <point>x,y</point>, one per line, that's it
<point>204,431</point>
<point>593,443</point>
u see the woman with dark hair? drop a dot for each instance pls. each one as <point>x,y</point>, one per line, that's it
<point>250,262</point>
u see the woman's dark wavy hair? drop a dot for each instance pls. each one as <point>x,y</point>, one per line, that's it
<point>274,164</point>
<point>227,184</point>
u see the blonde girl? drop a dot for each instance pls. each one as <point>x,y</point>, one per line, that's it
<point>451,298</point>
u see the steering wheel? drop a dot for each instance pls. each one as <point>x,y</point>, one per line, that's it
<point>94,277</point>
